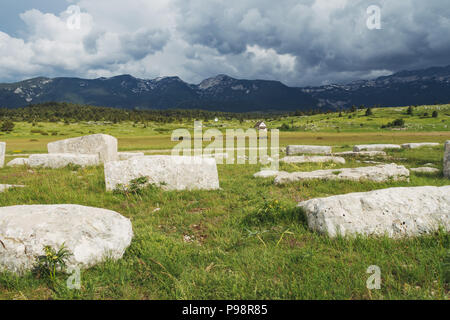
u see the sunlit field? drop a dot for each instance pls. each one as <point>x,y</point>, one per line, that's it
<point>233,251</point>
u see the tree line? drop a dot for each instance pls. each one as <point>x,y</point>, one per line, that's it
<point>69,112</point>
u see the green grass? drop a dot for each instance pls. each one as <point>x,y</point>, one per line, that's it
<point>323,129</point>
<point>242,247</point>
<point>234,253</point>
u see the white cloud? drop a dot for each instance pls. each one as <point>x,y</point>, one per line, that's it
<point>299,42</point>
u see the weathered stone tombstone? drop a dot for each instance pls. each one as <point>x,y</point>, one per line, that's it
<point>18,162</point>
<point>396,212</point>
<point>447,160</point>
<point>419,145</point>
<point>361,153</point>
<point>307,149</point>
<point>103,145</point>
<point>375,147</point>
<point>167,172</point>
<point>90,234</point>
<point>380,173</point>
<point>2,153</point>
<point>312,159</point>
<point>61,160</point>
<point>424,170</point>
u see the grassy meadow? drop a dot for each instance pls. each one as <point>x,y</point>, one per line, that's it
<point>247,240</point>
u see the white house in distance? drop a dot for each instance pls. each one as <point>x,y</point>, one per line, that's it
<point>260,125</point>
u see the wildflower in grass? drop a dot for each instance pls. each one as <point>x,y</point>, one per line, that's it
<point>52,261</point>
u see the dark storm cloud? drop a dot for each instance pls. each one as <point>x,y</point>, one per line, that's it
<point>299,42</point>
<point>144,42</point>
<point>329,39</point>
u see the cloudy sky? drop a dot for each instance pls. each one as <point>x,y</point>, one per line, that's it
<point>299,42</point>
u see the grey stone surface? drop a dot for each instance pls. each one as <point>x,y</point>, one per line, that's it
<point>129,155</point>
<point>447,159</point>
<point>61,160</point>
<point>169,172</point>
<point>362,153</point>
<point>375,147</point>
<point>2,153</point>
<point>90,234</point>
<point>419,145</point>
<point>17,162</point>
<point>373,162</point>
<point>313,159</point>
<point>396,212</point>
<point>103,145</point>
<point>307,149</point>
<point>378,173</point>
<point>424,170</point>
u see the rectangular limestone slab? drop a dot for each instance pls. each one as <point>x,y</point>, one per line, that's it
<point>380,173</point>
<point>306,149</point>
<point>103,145</point>
<point>313,159</point>
<point>394,212</point>
<point>169,172</point>
<point>419,145</point>
<point>17,162</point>
<point>447,159</point>
<point>375,147</point>
<point>2,153</point>
<point>61,160</point>
<point>361,153</point>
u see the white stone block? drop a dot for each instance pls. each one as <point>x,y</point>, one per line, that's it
<point>17,162</point>
<point>90,234</point>
<point>168,172</point>
<point>61,160</point>
<point>375,147</point>
<point>380,173</point>
<point>306,149</point>
<point>313,159</point>
<point>103,145</point>
<point>394,212</point>
<point>419,145</point>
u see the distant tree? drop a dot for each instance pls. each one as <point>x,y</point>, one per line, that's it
<point>284,127</point>
<point>395,124</point>
<point>7,126</point>
<point>353,109</point>
<point>340,114</point>
<point>369,112</point>
<point>435,114</point>
<point>410,111</point>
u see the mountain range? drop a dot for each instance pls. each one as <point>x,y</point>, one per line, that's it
<point>224,93</point>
